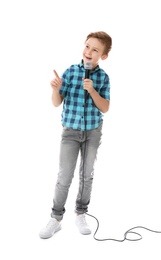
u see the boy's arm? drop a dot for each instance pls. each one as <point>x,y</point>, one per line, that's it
<point>101,103</point>
<point>56,98</point>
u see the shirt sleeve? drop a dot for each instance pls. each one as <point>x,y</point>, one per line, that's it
<point>105,90</point>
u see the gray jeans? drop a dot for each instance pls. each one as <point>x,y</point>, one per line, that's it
<point>73,142</point>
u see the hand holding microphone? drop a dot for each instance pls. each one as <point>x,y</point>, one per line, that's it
<point>88,83</point>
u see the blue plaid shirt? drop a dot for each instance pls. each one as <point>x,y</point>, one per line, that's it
<point>73,105</point>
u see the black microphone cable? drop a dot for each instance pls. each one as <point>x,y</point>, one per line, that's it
<point>88,67</point>
<point>131,231</point>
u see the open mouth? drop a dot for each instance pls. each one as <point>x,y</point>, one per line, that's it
<point>87,58</point>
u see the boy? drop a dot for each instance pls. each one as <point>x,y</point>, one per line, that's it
<point>84,102</point>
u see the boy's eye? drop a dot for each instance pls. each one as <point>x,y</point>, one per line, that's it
<point>95,50</point>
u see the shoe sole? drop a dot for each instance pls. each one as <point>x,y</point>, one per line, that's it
<point>85,233</point>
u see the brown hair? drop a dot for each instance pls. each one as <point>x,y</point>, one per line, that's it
<point>104,39</point>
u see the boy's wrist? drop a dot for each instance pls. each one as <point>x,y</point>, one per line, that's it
<point>92,92</point>
<point>55,90</point>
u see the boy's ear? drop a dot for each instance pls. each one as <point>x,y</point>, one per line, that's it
<point>104,56</point>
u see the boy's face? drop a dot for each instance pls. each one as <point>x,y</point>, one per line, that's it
<point>93,52</point>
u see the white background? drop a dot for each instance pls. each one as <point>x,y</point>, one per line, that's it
<point>37,37</point>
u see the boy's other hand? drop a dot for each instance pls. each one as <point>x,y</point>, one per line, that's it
<point>56,82</point>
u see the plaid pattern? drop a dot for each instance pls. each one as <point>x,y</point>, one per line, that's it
<point>73,92</point>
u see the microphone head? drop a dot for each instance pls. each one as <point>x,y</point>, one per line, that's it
<point>88,65</point>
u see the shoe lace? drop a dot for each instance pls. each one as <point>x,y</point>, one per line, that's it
<point>50,224</point>
<point>83,220</point>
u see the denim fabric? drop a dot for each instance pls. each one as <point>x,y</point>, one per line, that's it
<point>73,142</point>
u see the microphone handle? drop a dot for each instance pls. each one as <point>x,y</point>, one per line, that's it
<point>87,72</point>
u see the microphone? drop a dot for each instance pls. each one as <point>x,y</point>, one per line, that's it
<point>88,67</point>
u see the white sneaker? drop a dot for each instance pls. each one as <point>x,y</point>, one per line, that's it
<point>82,224</point>
<point>52,227</point>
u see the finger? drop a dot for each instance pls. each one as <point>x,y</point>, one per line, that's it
<point>87,80</point>
<point>56,74</point>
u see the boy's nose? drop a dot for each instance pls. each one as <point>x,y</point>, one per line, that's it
<point>89,52</point>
